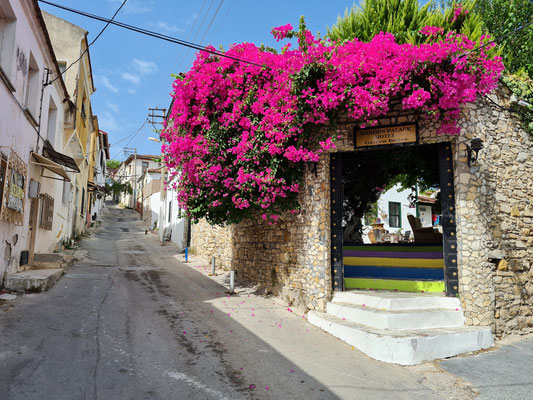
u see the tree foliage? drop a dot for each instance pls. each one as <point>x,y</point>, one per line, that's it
<point>404,19</point>
<point>113,164</point>
<point>501,17</point>
<point>117,188</point>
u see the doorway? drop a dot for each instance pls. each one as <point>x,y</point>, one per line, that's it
<point>393,219</point>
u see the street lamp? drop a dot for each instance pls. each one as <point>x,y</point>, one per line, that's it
<point>153,139</point>
<point>473,149</point>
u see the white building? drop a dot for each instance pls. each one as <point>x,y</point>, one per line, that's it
<point>34,206</point>
<point>395,204</point>
<point>130,171</point>
<point>173,223</point>
<point>149,185</point>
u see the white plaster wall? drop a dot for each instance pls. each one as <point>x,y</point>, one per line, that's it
<point>17,132</point>
<point>395,196</point>
<point>175,224</point>
<point>154,202</point>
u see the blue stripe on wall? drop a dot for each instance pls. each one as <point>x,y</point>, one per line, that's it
<point>363,271</point>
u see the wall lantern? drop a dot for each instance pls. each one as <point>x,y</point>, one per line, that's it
<point>472,150</point>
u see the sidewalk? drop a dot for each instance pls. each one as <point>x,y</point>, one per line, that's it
<point>503,373</point>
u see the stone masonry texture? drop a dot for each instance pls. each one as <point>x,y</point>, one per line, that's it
<point>494,211</point>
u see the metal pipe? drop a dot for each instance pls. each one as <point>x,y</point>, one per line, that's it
<point>231,281</point>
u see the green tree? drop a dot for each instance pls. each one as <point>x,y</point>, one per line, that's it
<point>501,17</point>
<point>404,19</point>
<point>116,188</point>
<point>113,164</point>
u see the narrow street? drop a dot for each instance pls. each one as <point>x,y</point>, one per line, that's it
<point>130,321</point>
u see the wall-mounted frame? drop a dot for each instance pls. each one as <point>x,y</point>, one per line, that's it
<point>386,136</point>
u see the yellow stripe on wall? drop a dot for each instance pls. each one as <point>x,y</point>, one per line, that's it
<point>395,262</point>
<point>391,284</point>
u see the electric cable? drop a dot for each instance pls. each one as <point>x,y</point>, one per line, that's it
<point>180,58</point>
<point>211,22</point>
<point>497,39</point>
<point>203,20</point>
<point>154,34</point>
<point>224,18</point>
<point>90,44</point>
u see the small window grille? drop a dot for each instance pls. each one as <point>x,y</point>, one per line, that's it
<point>47,212</point>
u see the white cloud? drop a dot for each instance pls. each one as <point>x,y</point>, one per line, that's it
<point>133,78</point>
<point>167,28</point>
<point>144,67</point>
<point>107,122</point>
<point>131,91</point>
<point>112,106</point>
<point>138,70</point>
<point>134,6</point>
<point>104,80</point>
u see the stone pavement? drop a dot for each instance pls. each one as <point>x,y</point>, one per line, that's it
<point>504,373</point>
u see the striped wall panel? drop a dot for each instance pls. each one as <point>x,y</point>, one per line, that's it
<point>404,267</point>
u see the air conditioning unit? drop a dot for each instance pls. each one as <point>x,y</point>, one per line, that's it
<point>34,189</point>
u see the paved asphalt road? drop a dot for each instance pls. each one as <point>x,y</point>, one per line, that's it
<point>130,321</point>
<point>506,373</point>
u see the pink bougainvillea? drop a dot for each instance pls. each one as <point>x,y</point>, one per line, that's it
<point>239,134</point>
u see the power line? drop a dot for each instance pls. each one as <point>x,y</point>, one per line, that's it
<point>224,18</point>
<point>180,58</point>
<point>90,44</point>
<point>497,39</point>
<point>203,20</point>
<point>211,22</point>
<point>132,137</point>
<point>154,34</point>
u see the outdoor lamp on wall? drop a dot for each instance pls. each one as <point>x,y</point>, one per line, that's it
<point>472,150</point>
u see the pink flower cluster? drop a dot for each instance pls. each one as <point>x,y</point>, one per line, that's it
<point>240,134</point>
<point>281,32</point>
<point>459,11</point>
<point>432,30</point>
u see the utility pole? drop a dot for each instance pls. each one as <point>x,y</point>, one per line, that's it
<point>157,115</point>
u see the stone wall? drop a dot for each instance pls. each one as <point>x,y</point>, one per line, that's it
<point>494,212</point>
<point>213,241</point>
<point>495,219</point>
<point>291,258</point>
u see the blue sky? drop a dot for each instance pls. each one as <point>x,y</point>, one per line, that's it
<point>132,71</point>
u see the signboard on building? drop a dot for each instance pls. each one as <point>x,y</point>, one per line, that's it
<point>386,135</point>
<point>16,192</point>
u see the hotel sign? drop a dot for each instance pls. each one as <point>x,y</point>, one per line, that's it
<point>386,135</point>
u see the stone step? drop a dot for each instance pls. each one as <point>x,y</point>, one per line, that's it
<point>397,300</point>
<point>405,347</point>
<point>397,319</point>
<point>48,257</point>
<point>52,261</point>
<point>33,280</point>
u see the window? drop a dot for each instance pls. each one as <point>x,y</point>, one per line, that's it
<point>47,212</point>
<point>3,169</point>
<point>145,165</point>
<point>83,112</point>
<point>52,122</point>
<point>395,216</point>
<point>7,39</point>
<point>32,87</point>
<point>65,198</point>
<point>82,210</point>
<point>62,66</point>
<point>169,210</point>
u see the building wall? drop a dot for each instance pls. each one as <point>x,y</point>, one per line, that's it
<point>495,220</point>
<point>29,56</point>
<point>494,212</point>
<point>173,219</point>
